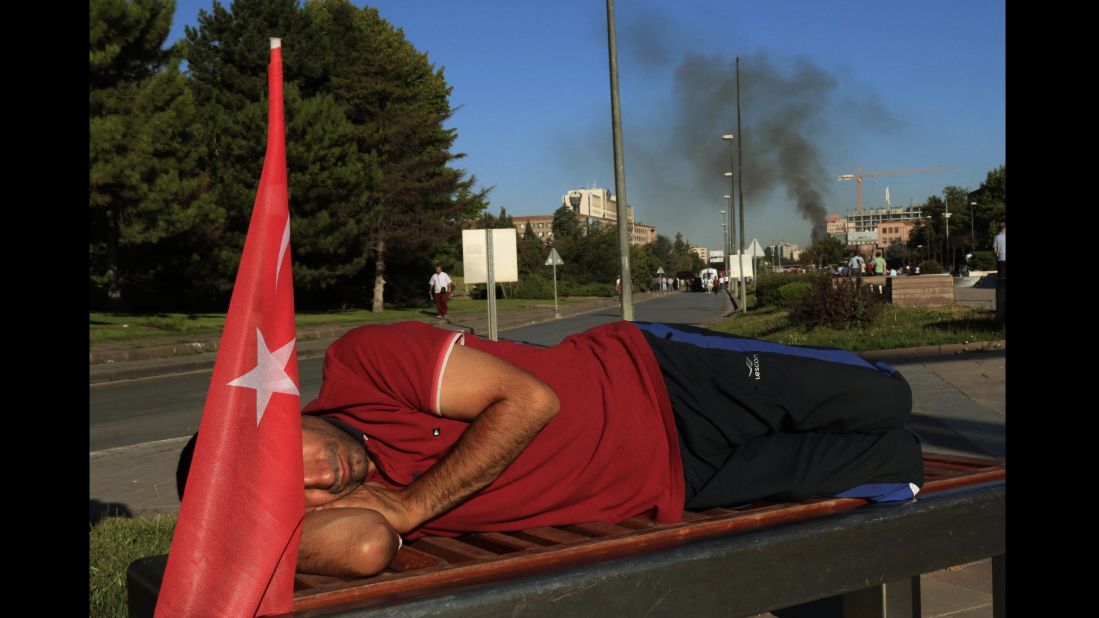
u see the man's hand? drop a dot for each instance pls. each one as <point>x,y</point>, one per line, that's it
<point>374,496</point>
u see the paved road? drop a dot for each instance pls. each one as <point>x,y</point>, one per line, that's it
<point>151,409</point>
<point>678,308</point>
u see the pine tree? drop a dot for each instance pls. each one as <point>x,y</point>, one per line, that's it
<point>147,195</point>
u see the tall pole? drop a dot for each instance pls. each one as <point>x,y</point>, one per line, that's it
<point>972,230</point>
<point>619,171</point>
<point>725,242</point>
<point>946,219</point>
<point>491,283</point>
<point>740,173</point>
<point>732,210</point>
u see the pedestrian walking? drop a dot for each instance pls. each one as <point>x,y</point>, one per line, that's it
<point>439,288</point>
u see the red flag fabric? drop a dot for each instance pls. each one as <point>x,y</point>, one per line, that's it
<point>236,542</point>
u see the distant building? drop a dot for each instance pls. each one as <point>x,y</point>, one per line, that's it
<point>642,234</point>
<point>542,226</point>
<point>702,253</point>
<point>789,252</point>
<point>597,203</point>
<point>836,227</point>
<point>889,231</point>
<point>868,220</point>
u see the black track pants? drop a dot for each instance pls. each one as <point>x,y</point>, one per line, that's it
<point>762,420</point>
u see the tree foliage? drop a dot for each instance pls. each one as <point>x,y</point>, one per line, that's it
<point>565,222</point>
<point>175,158</point>
<point>148,197</point>
<point>825,251</point>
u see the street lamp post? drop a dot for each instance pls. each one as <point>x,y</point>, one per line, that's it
<point>972,232</point>
<point>946,222</point>
<point>725,240</point>
<point>732,222</point>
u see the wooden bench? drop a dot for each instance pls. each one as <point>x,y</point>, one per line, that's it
<point>920,290</point>
<point>754,559</point>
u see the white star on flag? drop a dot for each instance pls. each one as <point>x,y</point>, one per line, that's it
<point>269,375</point>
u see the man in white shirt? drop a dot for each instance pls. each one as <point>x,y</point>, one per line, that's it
<point>999,247</point>
<point>440,287</point>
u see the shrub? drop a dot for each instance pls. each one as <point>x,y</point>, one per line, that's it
<point>837,303</point>
<point>982,260</point>
<point>931,267</point>
<point>767,286</point>
<point>535,286</point>
<point>791,293</point>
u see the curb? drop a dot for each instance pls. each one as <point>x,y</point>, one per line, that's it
<point>930,351</point>
<point>116,365</point>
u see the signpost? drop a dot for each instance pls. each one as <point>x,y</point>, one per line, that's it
<point>489,256</point>
<point>554,259</point>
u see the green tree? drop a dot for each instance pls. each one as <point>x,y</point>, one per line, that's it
<point>501,221</point>
<point>589,257</point>
<point>398,102</point>
<point>662,252</point>
<point>565,222</point>
<point>683,259</point>
<point>991,208</point>
<point>896,252</point>
<point>826,250</point>
<point>147,194</point>
<point>393,197</point>
<point>227,56</point>
<point>327,192</point>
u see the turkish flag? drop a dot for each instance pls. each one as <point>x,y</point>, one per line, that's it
<point>236,542</point>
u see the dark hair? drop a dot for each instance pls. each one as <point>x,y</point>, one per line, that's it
<point>184,466</point>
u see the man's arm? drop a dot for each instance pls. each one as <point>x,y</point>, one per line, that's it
<point>506,408</point>
<point>346,543</point>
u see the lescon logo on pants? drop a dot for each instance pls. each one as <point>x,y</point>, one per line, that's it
<point>753,365</point>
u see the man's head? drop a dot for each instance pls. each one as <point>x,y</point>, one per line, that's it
<point>335,464</point>
<point>438,268</point>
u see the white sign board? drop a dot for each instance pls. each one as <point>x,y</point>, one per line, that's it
<point>505,261</point>
<point>869,237</point>
<point>734,268</point>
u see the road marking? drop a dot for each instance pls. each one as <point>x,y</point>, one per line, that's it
<point>121,449</point>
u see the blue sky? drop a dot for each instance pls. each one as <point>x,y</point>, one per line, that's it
<point>825,88</point>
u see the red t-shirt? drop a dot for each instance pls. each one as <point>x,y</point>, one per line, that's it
<point>610,453</point>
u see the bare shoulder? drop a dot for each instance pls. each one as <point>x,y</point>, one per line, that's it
<point>473,380</point>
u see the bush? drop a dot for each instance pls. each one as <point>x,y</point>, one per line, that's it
<point>536,286</point>
<point>791,293</point>
<point>982,260</point>
<point>767,286</point>
<point>837,303</point>
<point>931,267</point>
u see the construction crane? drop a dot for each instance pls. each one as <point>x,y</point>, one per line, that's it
<point>859,175</point>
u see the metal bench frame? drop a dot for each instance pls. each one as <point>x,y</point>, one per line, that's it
<point>717,562</point>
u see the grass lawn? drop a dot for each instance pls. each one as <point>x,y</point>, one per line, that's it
<point>114,543</point>
<point>897,327</point>
<point>122,327</point>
